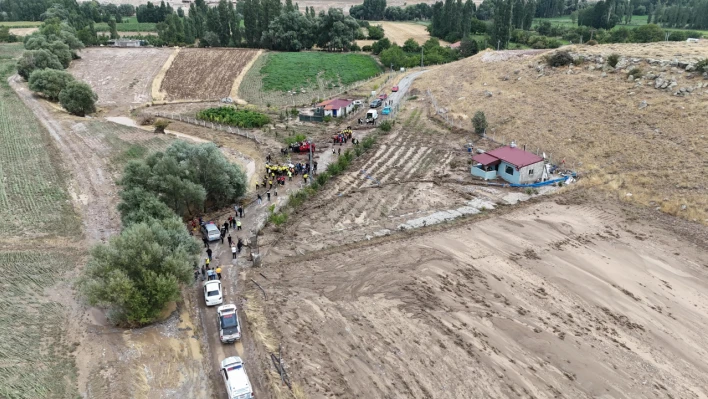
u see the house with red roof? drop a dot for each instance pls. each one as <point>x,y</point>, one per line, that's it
<point>336,107</point>
<point>512,164</point>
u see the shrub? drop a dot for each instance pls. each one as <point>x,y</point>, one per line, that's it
<point>138,272</point>
<point>294,139</point>
<point>613,60</point>
<point>592,42</point>
<point>636,72</point>
<point>278,218</point>
<point>560,58</point>
<point>366,48</point>
<point>49,82</point>
<point>36,59</point>
<point>78,99</point>
<point>235,117</point>
<point>386,126</point>
<point>327,119</point>
<point>375,32</point>
<point>160,125</point>
<point>647,34</point>
<point>702,65</point>
<point>146,120</point>
<point>479,121</point>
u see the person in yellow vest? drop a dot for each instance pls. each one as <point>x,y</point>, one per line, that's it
<point>238,225</point>
<point>290,177</point>
<point>207,263</point>
<point>218,271</point>
<point>305,177</point>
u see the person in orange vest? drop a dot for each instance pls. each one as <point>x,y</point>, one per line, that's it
<point>218,271</point>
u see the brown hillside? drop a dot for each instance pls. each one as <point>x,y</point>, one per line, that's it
<point>653,155</point>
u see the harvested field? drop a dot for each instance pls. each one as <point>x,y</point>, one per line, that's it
<point>597,124</point>
<point>23,31</point>
<point>205,74</point>
<point>545,301</point>
<point>399,32</point>
<point>120,77</point>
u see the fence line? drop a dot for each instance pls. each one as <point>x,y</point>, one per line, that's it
<point>209,125</point>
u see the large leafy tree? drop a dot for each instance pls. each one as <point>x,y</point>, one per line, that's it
<point>291,31</point>
<point>335,30</point>
<point>49,82</point>
<point>32,60</point>
<point>140,271</point>
<point>78,99</point>
<point>186,177</point>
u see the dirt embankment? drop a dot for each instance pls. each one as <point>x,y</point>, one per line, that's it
<point>546,301</point>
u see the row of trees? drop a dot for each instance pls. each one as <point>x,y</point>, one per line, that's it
<point>32,10</point>
<point>376,10</point>
<point>47,53</point>
<point>138,272</point>
<point>411,54</point>
<point>152,13</point>
<point>266,24</point>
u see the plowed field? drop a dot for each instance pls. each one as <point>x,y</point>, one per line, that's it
<point>202,74</point>
<point>120,76</point>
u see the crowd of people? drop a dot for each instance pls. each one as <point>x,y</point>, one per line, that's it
<point>232,223</point>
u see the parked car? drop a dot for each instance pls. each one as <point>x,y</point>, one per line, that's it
<point>394,89</point>
<point>383,96</point>
<point>211,232</point>
<point>212,293</point>
<point>376,103</point>
<point>372,115</point>
<point>386,111</point>
<point>229,327</point>
<point>235,378</point>
<point>358,103</point>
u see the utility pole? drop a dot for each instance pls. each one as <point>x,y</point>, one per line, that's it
<point>311,170</point>
<point>421,56</point>
<point>498,44</point>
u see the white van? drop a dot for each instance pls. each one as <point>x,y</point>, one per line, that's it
<point>235,378</point>
<point>372,114</point>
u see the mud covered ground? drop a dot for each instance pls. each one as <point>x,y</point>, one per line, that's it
<point>547,300</point>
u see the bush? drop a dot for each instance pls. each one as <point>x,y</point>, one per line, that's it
<point>560,58</point>
<point>278,218</point>
<point>138,272</point>
<point>636,72</point>
<point>592,42</point>
<point>160,125</point>
<point>386,126</point>
<point>613,60</point>
<point>294,139</point>
<point>146,120</point>
<point>327,119</point>
<point>49,82</point>
<point>78,99</point>
<point>366,48</point>
<point>375,32</point>
<point>235,117</point>
<point>647,34</point>
<point>702,65</point>
<point>36,59</point>
<point>479,121</point>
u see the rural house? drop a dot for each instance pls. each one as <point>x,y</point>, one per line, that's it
<point>336,107</point>
<point>512,164</point>
<point>124,43</point>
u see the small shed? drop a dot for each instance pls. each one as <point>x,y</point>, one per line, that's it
<point>125,43</point>
<point>336,107</point>
<point>512,164</point>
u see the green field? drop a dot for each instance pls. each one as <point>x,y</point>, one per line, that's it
<point>21,24</point>
<point>129,24</point>
<point>33,199</point>
<point>288,71</point>
<point>637,20</point>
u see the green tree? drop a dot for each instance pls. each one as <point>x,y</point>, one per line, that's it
<point>411,46</point>
<point>375,32</point>
<point>647,34</point>
<point>479,121</point>
<point>49,82</point>
<point>112,28</point>
<point>501,31</point>
<point>468,47</point>
<point>139,206</point>
<point>140,271</point>
<point>78,99</point>
<point>56,47</point>
<point>32,60</point>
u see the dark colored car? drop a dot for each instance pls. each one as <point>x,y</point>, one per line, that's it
<point>375,104</point>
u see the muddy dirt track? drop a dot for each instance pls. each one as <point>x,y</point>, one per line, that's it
<point>547,301</point>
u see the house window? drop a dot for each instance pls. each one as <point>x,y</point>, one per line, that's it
<point>530,172</point>
<point>509,170</point>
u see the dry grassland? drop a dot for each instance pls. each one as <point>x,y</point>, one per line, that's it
<point>399,32</point>
<point>653,156</point>
<point>205,74</point>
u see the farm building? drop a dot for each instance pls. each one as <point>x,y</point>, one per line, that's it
<point>124,43</point>
<point>512,164</point>
<point>336,107</point>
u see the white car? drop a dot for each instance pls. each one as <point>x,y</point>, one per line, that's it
<point>237,384</point>
<point>229,327</point>
<point>212,293</point>
<point>211,232</point>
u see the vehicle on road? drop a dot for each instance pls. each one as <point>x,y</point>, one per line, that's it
<point>386,111</point>
<point>211,232</point>
<point>371,116</point>
<point>383,96</point>
<point>235,378</point>
<point>376,103</point>
<point>394,89</point>
<point>358,103</point>
<point>229,327</point>
<point>212,293</point>
<point>302,146</point>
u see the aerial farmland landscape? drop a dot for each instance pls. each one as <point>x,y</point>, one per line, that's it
<point>244,199</point>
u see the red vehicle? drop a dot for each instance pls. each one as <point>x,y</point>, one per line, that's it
<point>394,89</point>
<point>302,147</point>
<point>383,96</point>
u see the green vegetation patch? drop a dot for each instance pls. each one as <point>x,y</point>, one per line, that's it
<point>21,24</point>
<point>235,117</point>
<point>33,198</point>
<point>37,360</point>
<point>128,27</point>
<point>288,71</point>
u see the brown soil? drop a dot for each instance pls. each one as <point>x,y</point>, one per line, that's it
<point>121,77</point>
<point>203,74</point>
<point>594,123</point>
<point>546,300</point>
